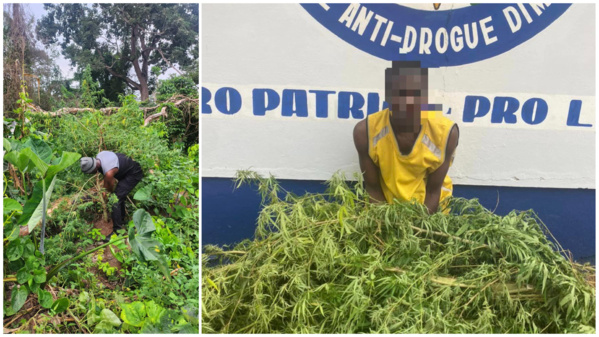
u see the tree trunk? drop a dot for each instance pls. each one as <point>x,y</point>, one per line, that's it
<point>142,76</point>
<point>144,92</point>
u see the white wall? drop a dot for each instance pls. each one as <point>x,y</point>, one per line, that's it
<point>281,46</point>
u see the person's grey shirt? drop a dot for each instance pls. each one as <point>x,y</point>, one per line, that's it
<point>108,161</point>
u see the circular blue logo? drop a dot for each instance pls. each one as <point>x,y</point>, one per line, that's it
<point>435,37</point>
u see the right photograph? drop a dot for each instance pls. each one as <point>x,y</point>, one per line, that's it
<point>398,168</point>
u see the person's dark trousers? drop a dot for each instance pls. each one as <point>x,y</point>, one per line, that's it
<point>123,188</point>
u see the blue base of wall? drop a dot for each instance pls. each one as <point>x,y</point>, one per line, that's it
<point>229,216</point>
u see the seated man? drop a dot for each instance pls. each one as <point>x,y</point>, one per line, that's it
<point>115,166</point>
<point>406,150</point>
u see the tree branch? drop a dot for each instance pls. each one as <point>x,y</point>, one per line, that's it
<point>129,82</point>
<point>167,61</point>
<point>156,116</point>
<point>135,61</point>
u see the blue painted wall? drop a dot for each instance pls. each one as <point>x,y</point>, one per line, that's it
<point>229,216</point>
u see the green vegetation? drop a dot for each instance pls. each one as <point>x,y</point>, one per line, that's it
<point>61,278</point>
<point>118,39</point>
<point>332,263</point>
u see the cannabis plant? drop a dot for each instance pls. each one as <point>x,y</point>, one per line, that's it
<point>334,263</point>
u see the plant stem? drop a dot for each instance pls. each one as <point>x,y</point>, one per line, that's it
<point>11,278</point>
<point>61,265</point>
<point>44,206</point>
<point>102,201</point>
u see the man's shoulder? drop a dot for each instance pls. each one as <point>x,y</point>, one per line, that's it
<point>439,121</point>
<point>105,153</point>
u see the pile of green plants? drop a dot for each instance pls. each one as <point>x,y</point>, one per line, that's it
<point>334,263</point>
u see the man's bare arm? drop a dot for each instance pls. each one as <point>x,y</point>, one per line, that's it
<point>435,179</point>
<point>369,170</point>
<point>109,181</point>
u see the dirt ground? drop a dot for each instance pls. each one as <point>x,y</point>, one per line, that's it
<point>105,227</point>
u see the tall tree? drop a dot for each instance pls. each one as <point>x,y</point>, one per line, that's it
<point>115,38</point>
<point>25,63</point>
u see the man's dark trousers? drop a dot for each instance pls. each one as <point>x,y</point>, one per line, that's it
<point>123,188</point>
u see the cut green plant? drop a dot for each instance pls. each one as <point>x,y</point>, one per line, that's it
<point>334,263</point>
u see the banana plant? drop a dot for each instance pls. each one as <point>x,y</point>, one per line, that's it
<point>36,156</point>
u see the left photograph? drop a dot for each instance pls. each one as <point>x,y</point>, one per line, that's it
<point>100,168</point>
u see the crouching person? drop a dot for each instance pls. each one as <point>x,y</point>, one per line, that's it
<point>115,166</point>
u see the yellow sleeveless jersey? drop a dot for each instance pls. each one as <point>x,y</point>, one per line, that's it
<point>404,177</point>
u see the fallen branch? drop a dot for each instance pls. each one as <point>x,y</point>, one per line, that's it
<point>65,111</point>
<point>156,116</point>
<point>176,100</point>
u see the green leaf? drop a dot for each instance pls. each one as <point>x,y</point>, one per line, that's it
<point>154,311</point>
<point>8,310</point>
<point>67,159</point>
<point>171,318</point>
<point>143,222</point>
<point>39,275</point>
<point>11,205</point>
<point>110,317</point>
<point>34,287</point>
<point>14,250</point>
<point>23,275</point>
<point>191,315</point>
<point>12,233</point>
<point>103,327</point>
<point>6,145</point>
<point>565,300</point>
<point>32,211</point>
<point>31,262</point>
<point>92,317</point>
<point>188,329</point>
<point>15,144</point>
<point>143,245</point>
<point>39,164</point>
<point>40,148</point>
<point>84,297</point>
<point>144,193</point>
<point>20,162</point>
<point>145,248</point>
<point>133,313</point>
<point>18,297</point>
<point>462,229</point>
<point>155,328</point>
<point>44,298</point>
<point>60,305</point>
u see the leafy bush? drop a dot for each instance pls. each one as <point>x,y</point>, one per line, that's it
<point>176,85</point>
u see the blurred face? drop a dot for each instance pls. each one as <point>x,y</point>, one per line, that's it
<point>405,93</point>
